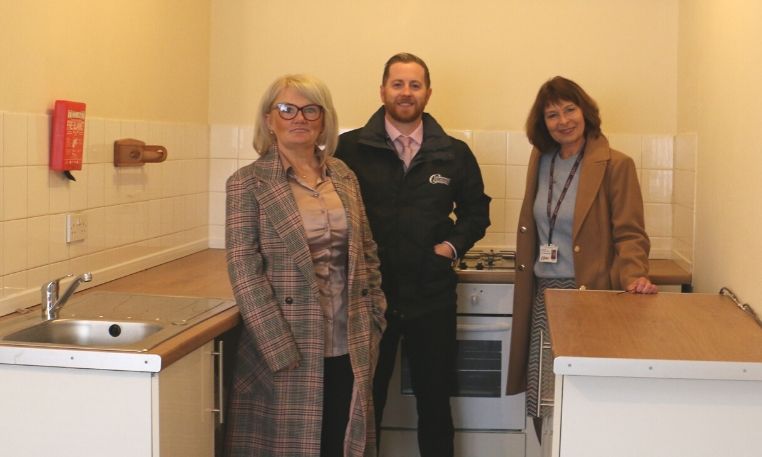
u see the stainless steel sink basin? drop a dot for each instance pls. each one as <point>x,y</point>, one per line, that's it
<point>111,321</point>
<point>80,332</point>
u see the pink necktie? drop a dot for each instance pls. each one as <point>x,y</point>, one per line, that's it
<point>406,150</point>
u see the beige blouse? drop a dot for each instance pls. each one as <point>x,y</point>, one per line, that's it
<point>325,224</point>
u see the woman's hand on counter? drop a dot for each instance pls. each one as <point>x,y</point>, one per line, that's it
<point>642,285</point>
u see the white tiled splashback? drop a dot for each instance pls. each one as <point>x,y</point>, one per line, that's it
<point>666,168</point>
<point>137,217</point>
<point>140,217</point>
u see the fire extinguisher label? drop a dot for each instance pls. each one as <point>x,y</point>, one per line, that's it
<point>67,136</point>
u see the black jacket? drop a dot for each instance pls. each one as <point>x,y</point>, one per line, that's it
<point>410,212</point>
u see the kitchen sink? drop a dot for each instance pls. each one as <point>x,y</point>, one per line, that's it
<point>111,321</point>
<point>79,332</point>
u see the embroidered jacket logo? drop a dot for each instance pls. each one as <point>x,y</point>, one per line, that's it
<point>439,179</point>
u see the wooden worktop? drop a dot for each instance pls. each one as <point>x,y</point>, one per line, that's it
<point>665,326</point>
<point>204,274</point>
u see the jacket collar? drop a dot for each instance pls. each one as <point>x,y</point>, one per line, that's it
<point>434,136</point>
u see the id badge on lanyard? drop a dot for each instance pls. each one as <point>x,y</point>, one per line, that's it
<point>548,253</point>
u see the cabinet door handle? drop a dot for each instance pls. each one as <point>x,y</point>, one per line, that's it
<point>220,395</point>
<point>544,346</point>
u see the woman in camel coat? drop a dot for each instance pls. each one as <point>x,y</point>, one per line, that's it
<point>590,233</point>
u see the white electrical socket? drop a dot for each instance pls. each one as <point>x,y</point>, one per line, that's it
<point>76,227</point>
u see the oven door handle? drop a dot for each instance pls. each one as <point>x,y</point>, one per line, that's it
<point>497,327</point>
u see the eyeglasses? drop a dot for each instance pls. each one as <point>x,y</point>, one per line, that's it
<point>287,111</point>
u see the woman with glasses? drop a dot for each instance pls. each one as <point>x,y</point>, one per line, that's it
<point>580,226</point>
<point>304,272</point>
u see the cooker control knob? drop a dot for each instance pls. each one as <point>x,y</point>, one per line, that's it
<point>479,266</point>
<point>462,265</point>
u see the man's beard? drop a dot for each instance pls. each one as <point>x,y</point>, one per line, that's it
<point>406,116</point>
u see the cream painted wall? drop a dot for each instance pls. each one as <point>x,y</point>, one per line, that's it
<point>133,59</point>
<point>720,69</point>
<point>142,68</point>
<point>487,57</point>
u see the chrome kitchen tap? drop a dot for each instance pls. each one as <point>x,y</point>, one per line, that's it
<point>51,304</point>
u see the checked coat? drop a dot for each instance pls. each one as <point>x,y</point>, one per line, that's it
<point>275,410</point>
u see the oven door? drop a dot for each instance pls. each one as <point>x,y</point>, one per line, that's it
<point>482,370</point>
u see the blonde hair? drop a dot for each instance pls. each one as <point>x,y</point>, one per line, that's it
<point>313,90</point>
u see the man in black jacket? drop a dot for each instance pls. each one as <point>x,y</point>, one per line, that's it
<point>413,176</point>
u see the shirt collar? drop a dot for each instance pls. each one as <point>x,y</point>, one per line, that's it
<point>289,169</point>
<point>394,133</point>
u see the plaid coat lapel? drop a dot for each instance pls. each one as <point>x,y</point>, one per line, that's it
<point>277,201</point>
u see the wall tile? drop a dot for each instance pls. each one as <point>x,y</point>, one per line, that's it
<point>217,208</point>
<point>128,129</point>
<point>491,240</point>
<point>59,193</point>
<point>686,148</point>
<point>512,211</point>
<point>95,142</point>
<point>154,218</point>
<point>15,241</point>
<point>78,196</point>
<point>15,283</point>
<point>38,195</point>
<point>59,250</point>
<point>14,193</point>
<point>685,188</point>
<point>36,277</point>
<point>219,171</point>
<point>497,216</point>
<point>466,136</point>
<point>658,219</point>
<point>2,147</point>
<point>246,143</point>
<point>516,181</point>
<point>38,248</point>
<point>519,148</point>
<point>96,234</point>
<point>95,184</point>
<point>38,139</point>
<point>14,139</point>
<point>490,146</point>
<point>656,186</point>
<point>223,142</point>
<point>494,180</point>
<point>657,152</point>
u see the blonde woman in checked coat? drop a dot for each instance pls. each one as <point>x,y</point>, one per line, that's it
<point>305,276</point>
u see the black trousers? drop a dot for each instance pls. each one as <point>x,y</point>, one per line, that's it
<point>430,346</point>
<point>337,397</point>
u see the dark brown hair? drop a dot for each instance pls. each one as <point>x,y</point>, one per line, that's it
<point>406,57</point>
<point>553,91</point>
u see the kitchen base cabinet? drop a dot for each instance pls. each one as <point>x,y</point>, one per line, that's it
<point>606,416</point>
<point>404,443</point>
<point>68,412</point>
<point>661,375</point>
<point>185,407</point>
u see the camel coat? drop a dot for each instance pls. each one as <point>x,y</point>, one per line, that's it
<point>610,242</point>
<point>276,411</point>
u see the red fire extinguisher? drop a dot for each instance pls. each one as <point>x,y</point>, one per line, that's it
<point>67,139</point>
